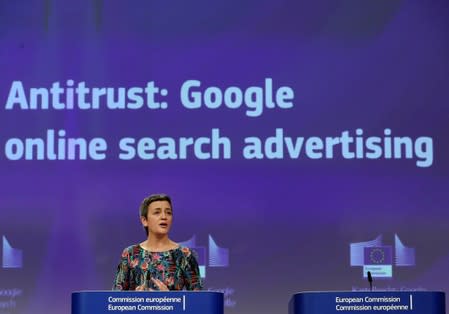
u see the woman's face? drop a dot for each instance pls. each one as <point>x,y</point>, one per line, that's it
<point>159,217</point>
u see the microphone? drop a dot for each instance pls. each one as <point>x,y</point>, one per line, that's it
<point>370,280</point>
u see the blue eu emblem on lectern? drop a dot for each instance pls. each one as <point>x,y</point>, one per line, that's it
<point>377,258</point>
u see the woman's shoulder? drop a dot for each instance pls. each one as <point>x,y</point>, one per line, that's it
<point>131,250</point>
<point>185,251</point>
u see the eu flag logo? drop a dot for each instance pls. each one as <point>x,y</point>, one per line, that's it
<point>378,259</point>
<point>378,255</point>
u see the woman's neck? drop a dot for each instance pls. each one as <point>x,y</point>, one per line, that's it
<point>158,243</point>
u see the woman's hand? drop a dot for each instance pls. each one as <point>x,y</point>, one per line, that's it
<point>141,288</point>
<point>159,284</point>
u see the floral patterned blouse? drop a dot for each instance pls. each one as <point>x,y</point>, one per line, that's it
<point>176,268</point>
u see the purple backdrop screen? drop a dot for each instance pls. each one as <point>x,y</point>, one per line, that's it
<point>304,144</point>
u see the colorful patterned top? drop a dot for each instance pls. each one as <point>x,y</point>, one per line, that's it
<point>176,268</point>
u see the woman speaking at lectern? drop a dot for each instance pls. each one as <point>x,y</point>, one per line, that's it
<point>157,263</point>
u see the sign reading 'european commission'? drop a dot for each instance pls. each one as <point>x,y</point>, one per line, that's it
<point>329,302</point>
<point>173,302</point>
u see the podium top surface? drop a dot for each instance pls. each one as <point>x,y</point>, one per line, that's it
<point>368,291</point>
<point>146,292</point>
